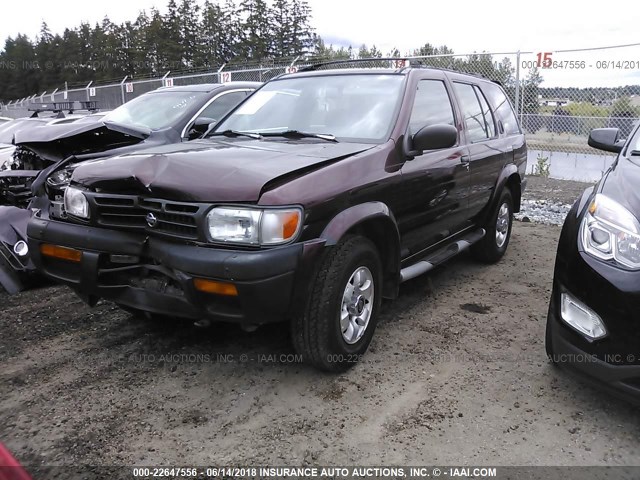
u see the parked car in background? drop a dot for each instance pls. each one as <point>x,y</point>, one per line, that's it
<point>10,128</point>
<point>310,202</point>
<point>44,158</point>
<point>593,325</point>
<point>165,115</point>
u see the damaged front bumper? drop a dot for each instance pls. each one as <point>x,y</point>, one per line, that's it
<point>16,267</point>
<point>160,276</point>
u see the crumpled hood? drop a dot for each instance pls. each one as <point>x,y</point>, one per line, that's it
<point>50,133</point>
<point>209,170</point>
<point>55,142</point>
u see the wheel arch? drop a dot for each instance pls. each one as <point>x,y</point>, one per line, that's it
<point>510,178</point>
<point>375,221</point>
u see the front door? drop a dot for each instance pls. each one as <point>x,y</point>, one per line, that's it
<point>435,184</point>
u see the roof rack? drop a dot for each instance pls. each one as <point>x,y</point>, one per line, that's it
<point>398,65</point>
<point>401,64</point>
<point>61,107</point>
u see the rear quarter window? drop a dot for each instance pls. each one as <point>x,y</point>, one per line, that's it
<point>502,107</point>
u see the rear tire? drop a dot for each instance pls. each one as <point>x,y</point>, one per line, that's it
<point>498,231</point>
<point>342,308</point>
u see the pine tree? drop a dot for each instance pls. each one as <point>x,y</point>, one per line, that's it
<point>170,44</point>
<point>255,41</point>
<point>189,16</point>
<point>282,24</point>
<point>302,34</point>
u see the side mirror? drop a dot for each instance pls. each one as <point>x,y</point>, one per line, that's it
<point>434,137</point>
<point>607,139</point>
<point>199,127</point>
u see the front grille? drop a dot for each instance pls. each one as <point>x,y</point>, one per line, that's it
<point>163,217</point>
<point>15,190</point>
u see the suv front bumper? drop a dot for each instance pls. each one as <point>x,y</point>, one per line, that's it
<point>157,276</point>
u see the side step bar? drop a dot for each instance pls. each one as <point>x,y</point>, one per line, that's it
<point>441,256</point>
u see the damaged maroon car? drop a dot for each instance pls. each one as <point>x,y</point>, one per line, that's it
<point>45,157</point>
<point>310,202</point>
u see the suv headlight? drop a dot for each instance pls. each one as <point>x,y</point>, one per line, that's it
<point>253,226</point>
<point>610,232</point>
<point>75,203</point>
<point>60,179</point>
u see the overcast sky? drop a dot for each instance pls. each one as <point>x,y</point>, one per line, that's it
<point>463,25</point>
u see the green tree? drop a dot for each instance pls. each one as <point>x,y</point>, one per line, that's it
<point>189,15</point>
<point>255,30</point>
<point>302,36</point>
<point>530,91</point>
<point>170,43</point>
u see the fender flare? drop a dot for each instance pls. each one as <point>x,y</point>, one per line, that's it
<point>379,223</point>
<point>507,172</point>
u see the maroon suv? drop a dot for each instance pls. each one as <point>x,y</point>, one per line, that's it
<point>310,202</point>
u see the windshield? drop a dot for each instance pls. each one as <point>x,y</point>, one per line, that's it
<point>155,110</point>
<point>357,107</point>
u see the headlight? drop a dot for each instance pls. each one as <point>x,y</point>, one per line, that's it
<point>75,203</point>
<point>61,178</point>
<point>253,226</point>
<point>610,232</point>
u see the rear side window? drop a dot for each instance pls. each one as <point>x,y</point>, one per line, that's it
<point>488,114</point>
<point>432,106</point>
<point>502,107</point>
<point>474,118</point>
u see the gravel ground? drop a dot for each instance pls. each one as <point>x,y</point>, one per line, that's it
<point>456,374</point>
<point>547,200</point>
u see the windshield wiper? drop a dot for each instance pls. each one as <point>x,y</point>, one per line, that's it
<point>235,133</point>
<point>298,134</point>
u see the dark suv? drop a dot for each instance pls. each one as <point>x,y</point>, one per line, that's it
<point>312,201</point>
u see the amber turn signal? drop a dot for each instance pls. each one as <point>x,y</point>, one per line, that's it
<point>63,253</point>
<point>212,286</point>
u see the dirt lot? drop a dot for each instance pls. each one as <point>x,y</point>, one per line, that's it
<point>456,374</point>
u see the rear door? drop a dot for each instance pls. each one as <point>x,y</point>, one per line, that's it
<point>487,155</point>
<point>435,184</point>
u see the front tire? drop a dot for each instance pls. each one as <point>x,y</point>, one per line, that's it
<point>498,231</point>
<point>342,309</point>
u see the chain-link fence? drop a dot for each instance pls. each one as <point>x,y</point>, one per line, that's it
<point>558,96</point>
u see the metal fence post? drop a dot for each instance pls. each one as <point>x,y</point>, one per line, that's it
<point>517,83</point>
<point>220,71</point>
<point>87,90</point>
<point>122,88</point>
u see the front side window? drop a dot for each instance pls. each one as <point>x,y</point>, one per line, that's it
<point>432,106</point>
<point>474,119</point>
<point>351,107</point>
<point>155,110</point>
<point>222,105</point>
